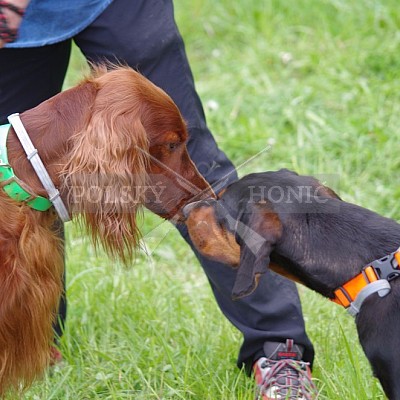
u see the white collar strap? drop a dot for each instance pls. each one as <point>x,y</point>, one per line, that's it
<point>38,166</point>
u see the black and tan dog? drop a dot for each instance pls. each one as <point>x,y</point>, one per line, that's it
<point>304,231</point>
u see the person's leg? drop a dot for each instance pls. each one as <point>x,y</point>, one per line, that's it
<point>143,35</point>
<point>28,77</point>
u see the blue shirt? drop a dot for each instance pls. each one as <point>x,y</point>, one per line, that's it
<point>51,21</point>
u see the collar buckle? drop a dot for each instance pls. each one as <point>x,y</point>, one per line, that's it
<point>388,266</point>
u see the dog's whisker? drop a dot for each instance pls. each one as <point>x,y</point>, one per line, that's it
<point>185,183</point>
<point>221,183</point>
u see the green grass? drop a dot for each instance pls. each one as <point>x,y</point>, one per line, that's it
<point>319,82</point>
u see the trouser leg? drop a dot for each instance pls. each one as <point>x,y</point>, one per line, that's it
<point>30,76</point>
<point>152,44</point>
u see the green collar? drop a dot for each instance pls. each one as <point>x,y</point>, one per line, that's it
<point>11,184</point>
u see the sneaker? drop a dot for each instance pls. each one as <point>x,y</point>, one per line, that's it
<point>55,356</point>
<point>283,375</point>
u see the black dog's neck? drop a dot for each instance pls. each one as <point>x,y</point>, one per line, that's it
<point>326,251</point>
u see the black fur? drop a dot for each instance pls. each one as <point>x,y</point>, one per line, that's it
<point>324,242</point>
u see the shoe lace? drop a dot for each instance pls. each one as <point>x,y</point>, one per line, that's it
<point>288,379</point>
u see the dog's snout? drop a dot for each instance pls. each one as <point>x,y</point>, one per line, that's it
<point>186,210</point>
<point>189,207</point>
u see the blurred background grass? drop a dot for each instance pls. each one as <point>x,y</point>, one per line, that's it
<point>318,81</point>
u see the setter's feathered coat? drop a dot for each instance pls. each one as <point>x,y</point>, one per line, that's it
<point>113,133</point>
<point>31,264</point>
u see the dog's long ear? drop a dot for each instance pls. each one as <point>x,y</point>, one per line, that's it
<point>257,232</point>
<point>105,173</point>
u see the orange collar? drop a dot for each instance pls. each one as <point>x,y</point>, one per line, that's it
<point>386,268</point>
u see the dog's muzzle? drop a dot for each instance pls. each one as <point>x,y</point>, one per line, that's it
<point>188,208</point>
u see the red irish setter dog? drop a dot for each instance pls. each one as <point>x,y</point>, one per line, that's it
<point>112,144</point>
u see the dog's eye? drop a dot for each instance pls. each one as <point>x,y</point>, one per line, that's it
<point>172,146</point>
